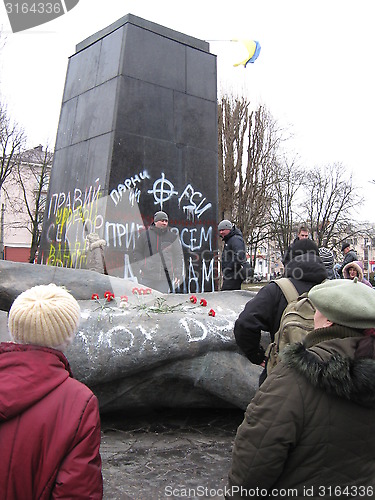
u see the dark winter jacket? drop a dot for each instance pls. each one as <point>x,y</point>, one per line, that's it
<point>264,311</point>
<point>310,425</point>
<point>166,254</point>
<point>351,256</point>
<point>287,256</point>
<point>332,274</point>
<point>49,428</point>
<point>233,255</point>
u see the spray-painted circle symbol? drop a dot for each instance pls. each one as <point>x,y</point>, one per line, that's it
<point>162,190</point>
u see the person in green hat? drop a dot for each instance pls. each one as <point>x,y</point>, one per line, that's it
<point>310,426</point>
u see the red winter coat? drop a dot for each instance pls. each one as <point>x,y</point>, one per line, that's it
<point>49,428</point>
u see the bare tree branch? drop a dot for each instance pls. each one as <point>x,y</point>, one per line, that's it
<point>248,146</point>
<point>12,140</point>
<point>330,203</point>
<point>288,179</point>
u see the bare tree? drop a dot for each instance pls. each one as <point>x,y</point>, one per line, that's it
<point>12,140</point>
<point>288,179</point>
<point>32,177</point>
<point>330,199</point>
<point>233,121</point>
<point>257,178</point>
<point>248,145</point>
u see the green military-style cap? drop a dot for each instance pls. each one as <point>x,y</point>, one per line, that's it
<point>345,302</point>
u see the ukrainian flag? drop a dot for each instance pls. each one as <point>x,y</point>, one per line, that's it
<point>253,47</point>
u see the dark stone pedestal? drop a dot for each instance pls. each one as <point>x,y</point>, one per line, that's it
<point>137,134</point>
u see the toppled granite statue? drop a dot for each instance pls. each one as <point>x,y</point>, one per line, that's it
<point>139,349</point>
<point>15,277</point>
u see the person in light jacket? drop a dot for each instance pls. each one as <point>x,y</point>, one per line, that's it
<point>50,425</point>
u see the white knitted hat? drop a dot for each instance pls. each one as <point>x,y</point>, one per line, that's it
<point>45,315</point>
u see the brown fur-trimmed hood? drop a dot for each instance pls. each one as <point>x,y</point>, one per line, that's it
<point>357,265</point>
<point>339,361</point>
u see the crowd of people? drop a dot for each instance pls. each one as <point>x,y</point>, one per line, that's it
<point>233,257</point>
<point>158,258</point>
<point>308,429</point>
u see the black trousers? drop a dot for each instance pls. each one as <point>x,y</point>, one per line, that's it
<point>231,284</point>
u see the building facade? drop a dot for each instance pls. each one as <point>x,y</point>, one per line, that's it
<point>22,201</point>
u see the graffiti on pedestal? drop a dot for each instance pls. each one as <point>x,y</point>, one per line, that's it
<point>120,216</point>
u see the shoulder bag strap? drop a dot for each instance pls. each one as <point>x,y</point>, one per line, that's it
<point>149,242</point>
<point>288,289</point>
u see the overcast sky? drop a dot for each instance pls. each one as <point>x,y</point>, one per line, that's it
<point>315,72</point>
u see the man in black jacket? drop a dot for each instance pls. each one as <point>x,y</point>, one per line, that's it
<point>303,234</point>
<point>233,256</point>
<point>263,313</point>
<point>158,256</point>
<point>349,256</point>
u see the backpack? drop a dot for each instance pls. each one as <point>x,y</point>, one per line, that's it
<point>296,322</point>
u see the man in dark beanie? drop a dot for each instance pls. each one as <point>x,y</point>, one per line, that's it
<point>263,313</point>
<point>158,256</point>
<point>309,428</point>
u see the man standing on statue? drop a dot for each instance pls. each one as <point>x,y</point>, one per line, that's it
<point>158,254</point>
<point>233,257</point>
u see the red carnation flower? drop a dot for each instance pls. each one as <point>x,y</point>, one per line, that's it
<point>203,302</point>
<point>109,296</point>
<point>193,299</point>
<point>124,298</point>
<point>94,296</point>
<point>211,312</point>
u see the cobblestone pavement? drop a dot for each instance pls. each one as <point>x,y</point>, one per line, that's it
<point>168,454</point>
